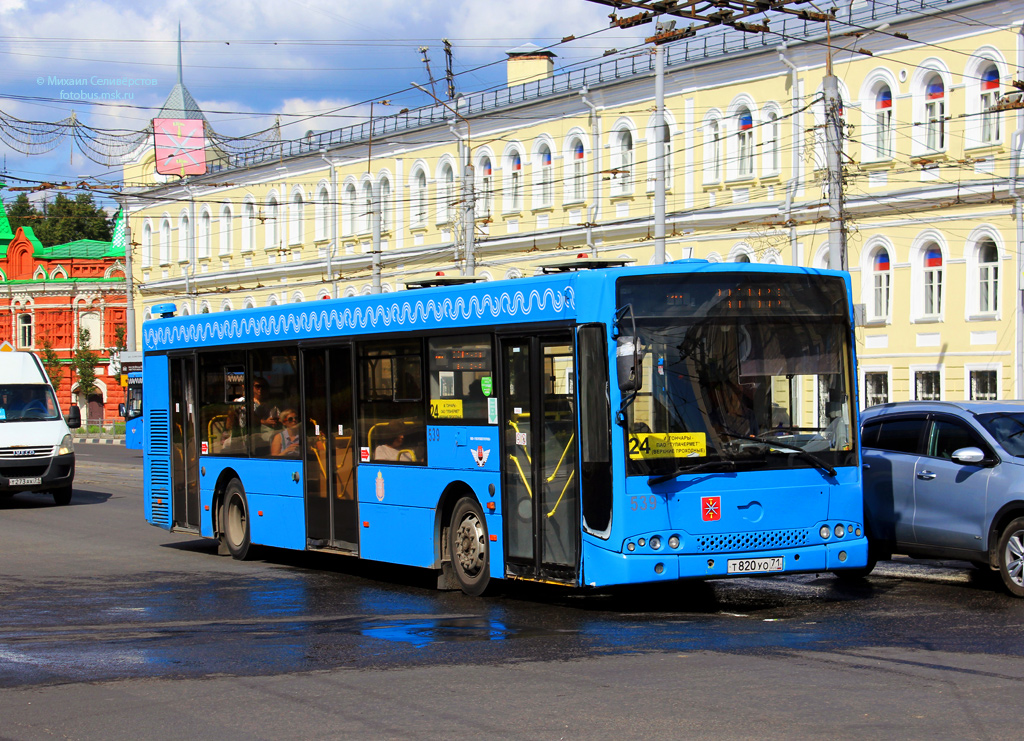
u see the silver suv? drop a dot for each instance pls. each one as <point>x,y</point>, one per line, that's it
<point>946,480</point>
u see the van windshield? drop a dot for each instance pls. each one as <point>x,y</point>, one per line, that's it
<point>22,402</point>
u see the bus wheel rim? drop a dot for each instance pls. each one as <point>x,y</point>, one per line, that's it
<point>469,542</point>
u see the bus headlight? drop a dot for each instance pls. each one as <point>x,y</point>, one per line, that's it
<point>824,532</point>
<point>66,446</point>
<point>673,542</point>
<point>840,531</point>
<point>656,542</point>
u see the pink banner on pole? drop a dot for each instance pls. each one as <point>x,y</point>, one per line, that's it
<point>180,146</point>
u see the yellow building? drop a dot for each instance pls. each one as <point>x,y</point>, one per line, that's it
<point>564,162</point>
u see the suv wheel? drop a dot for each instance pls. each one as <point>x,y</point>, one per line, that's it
<point>1011,557</point>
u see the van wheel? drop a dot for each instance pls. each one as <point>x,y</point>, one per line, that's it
<point>467,540</point>
<point>1011,557</point>
<point>62,496</point>
<point>235,527</point>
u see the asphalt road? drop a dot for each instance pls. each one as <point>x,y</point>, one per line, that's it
<point>110,628</point>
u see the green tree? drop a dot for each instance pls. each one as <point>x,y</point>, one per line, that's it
<point>84,362</point>
<point>22,213</point>
<point>52,364</point>
<point>67,219</point>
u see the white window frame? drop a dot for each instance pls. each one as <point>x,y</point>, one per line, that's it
<point>544,180</point>
<point>972,368</point>
<point>916,369</point>
<point>296,218</point>
<point>26,330</point>
<point>248,227</point>
<point>880,371</point>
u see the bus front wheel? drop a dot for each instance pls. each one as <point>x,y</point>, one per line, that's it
<point>235,528</point>
<point>467,541</point>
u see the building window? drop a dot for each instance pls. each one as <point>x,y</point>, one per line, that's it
<point>984,385</point>
<point>622,179</point>
<point>349,207</point>
<point>516,177</point>
<point>745,142</point>
<point>366,208</point>
<point>165,242</point>
<point>545,180</point>
<point>927,386</point>
<point>989,97</point>
<point>385,204</point>
<point>227,226</point>
<point>248,227</point>
<point>883,123</point>
<point>486,186</point>
<point>579,171</point>
<point>419,198</point>
<point>147,246</point>
<point>882,284</point>
<point>321,215</point>
<point>932,280</point>
<point>296,216</point>
<point>988,277</point>
<point>876,388</point>
<point>713,159</point>
<point>205,230</point>
<point>771,146</point>
<point>25,330</point>
<point>270,230</point>
<point>184,239</point>
<point>935,114</point>
<point>447,210</point>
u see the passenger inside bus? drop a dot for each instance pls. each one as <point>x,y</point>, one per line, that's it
<point>286,443</point>
<point>392,447</point>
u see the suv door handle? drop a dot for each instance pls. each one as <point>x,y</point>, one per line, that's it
<point>926,475</point>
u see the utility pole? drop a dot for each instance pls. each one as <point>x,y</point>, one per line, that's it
<point>430,75</point>
<point>837,258</point>
<point>129,286</point>
<point>449,75</point>
<point>659,152</point>
<point>375,227</point>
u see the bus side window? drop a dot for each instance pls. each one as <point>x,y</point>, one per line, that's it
<point>461,379</point>
<point>392,423</point>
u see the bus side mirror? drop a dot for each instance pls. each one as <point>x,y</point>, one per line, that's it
<point>121,411</point>
<point>74,418</point>
<point>628,361</point>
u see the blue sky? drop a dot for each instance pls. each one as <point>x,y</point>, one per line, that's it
<point>314,63</point>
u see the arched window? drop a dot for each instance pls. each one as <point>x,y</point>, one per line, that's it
<point>322,215</point>
<point>205,229</point>
<point>227,227</point>
<point>622,179</point>
<point>742,257</point>
<point>366,208</point>
<point>147,246</point>
<point>271,234</point>
<point>772,161</point>
<point>515,166</point>
<point>988,277</point>
<point>932,269</point>
<point>90,322</point>
<point>579,170</point>
<point>486,197</point>
<point>989,97</point>
<point>296,214</point>
<point>446,207</point>
<point>419,198</point>
<point>544,195</point>
<point>935,113</point>
<point>881,272</point>
<point>883,123</point>
<point>385,204</point>
<point>165,242</point>
<point>349,208</point>
<point>184,239</point>
<point>745,143</point>
<point>713,152</point>
<point>25,330</point>
<point>248,226</point>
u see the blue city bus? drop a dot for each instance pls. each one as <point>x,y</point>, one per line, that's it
<point>131,409</point>
<point>588,427</point>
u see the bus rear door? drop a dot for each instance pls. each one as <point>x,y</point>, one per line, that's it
<point>539,478</point>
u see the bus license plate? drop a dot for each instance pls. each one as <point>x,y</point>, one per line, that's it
<point>29,481</point>
<point>755,565</point>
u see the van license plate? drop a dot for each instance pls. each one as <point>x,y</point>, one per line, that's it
<point>755,565</point>
<point>29,481</point>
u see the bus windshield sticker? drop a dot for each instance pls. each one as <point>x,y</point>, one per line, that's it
<point>492,410</point>
<point>486,385</point>
<point>648,445</point>
<point>446,408</point>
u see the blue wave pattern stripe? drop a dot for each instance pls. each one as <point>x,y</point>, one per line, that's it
<point>404,313</point>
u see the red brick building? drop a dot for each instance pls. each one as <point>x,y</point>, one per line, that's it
<point>49,293</point>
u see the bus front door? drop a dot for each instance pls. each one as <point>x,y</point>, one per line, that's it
<point>540,481</point>
<point>332,515</point>
<point>184,445</point>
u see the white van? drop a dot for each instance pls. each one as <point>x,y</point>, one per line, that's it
<point>36,451</point>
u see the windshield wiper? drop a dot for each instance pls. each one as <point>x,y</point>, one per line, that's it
<point>729,463</point>
<point>810,457</point>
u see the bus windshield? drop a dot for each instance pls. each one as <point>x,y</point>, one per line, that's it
<point>21,402</point>
<point>739,371</point>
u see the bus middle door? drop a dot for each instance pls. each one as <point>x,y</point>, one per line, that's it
<point>539,477</point>
<point>184,445</point>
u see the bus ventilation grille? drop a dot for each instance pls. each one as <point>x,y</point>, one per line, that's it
<point>159,460</point>
<point>756,541</point>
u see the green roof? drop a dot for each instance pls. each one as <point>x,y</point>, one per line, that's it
<point>31,237</point>
<point>93,249</point>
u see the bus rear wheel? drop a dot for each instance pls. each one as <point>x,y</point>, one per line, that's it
<point>235,524</point>
<point>467,543</point>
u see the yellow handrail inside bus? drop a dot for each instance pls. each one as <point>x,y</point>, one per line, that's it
<point>522,475</point>
<point>559,464</point>
<point>564,489</point>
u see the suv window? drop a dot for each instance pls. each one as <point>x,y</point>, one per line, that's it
<point>947,436</point>
<point>896,435</point>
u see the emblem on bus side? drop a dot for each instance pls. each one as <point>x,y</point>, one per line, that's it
<point>380,486</point>
<point>480,455</point>
<point>710,508</point>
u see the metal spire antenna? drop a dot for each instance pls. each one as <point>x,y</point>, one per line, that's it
<point>430,75</point>
<point>179,54</point>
